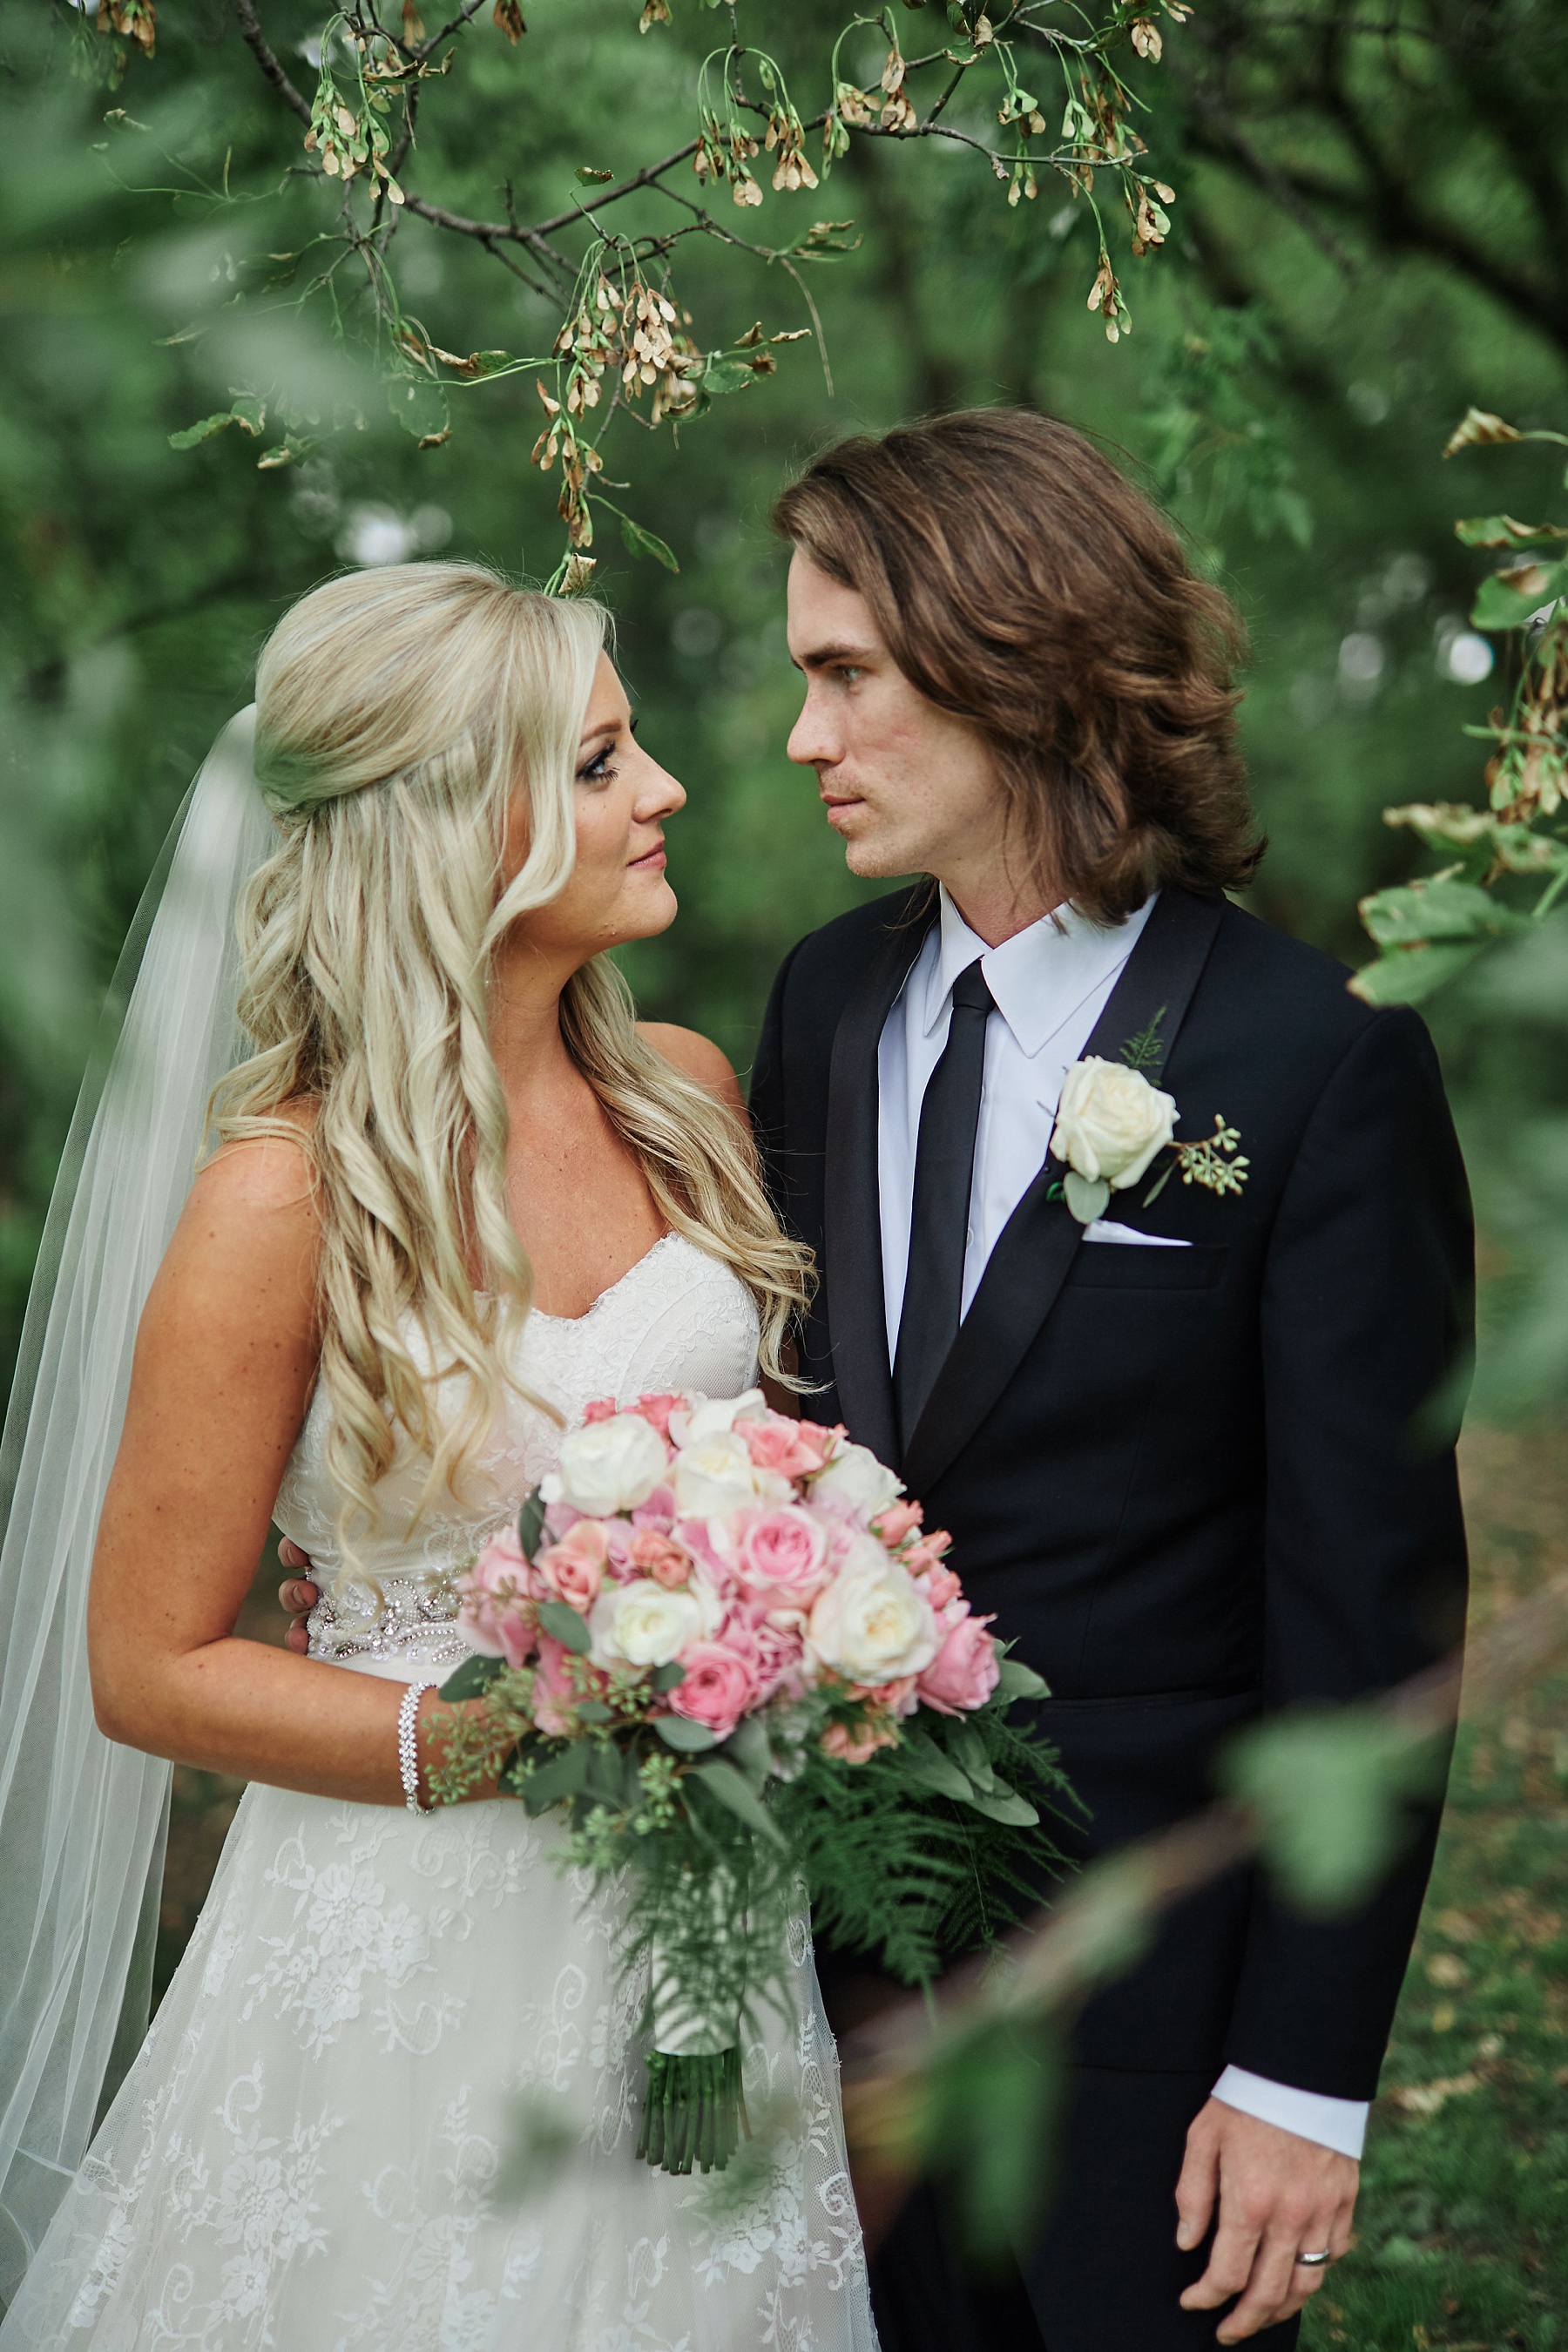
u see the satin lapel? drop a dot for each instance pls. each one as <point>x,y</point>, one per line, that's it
<point>1032,1259</point>
<point>852,1272</point>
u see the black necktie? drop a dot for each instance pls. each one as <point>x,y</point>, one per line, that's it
<point>939,1222</point>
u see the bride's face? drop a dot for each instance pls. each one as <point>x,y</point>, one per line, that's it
<point>618,891</point>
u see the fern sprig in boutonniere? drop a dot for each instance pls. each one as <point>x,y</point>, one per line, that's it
<point>1113,1122</point>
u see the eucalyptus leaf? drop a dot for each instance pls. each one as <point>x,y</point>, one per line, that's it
<point>564,1776</point>
<point>471,1679</point>
<point>688,1739</point>
<point>1085,1200</point>
<point>1015,1680</point>
<point>566,1625</point>
<point>968,1750</point>
<point>925,1761</point>
<point>670,1676</point>
<point>733,1789</point>
<point>530,1525</point>
<point>1016,1811</point>
<point>594,1710</point>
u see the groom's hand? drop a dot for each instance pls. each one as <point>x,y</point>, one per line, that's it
<point>1279,2196</point>
<point>297,1595</point>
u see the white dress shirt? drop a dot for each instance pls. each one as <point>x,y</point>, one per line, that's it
<point>1050,984</point>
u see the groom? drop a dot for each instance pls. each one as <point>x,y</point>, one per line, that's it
<point>1181,1452</point>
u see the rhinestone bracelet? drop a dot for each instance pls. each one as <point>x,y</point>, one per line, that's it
<point>408,1742</point>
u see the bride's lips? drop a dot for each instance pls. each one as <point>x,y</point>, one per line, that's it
<point>653,863</point>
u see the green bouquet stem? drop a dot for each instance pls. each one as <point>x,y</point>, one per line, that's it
<point>694,2112</point>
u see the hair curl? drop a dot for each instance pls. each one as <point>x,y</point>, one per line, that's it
<point>397,711</point>
<point>1021,582</point>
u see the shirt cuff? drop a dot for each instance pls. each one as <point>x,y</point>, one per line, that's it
<point>1333,2123</point>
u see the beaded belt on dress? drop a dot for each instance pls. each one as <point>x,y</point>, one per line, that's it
<point>398,1617</point>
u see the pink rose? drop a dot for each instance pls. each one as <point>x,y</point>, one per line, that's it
<point>900,1696</point>
<point>927,1552</point>
<point>708,1542</point>
<point>659,1556</point>
<point>560,1518</point>
<point>554,1697</point>
<point>942,1588</point>
<point>896,1522</point>
<point>964,1673</point>
<point>721,1684</point>
<point>780,1641</point>
<point>601,1409</point>
<point>785,1551</point>
<point>574,1569</point>
<point>857,1747</point>
<point>496,1612</point>
<point>658,1511</point>
<point>658,1410</point>
<point>796,1449</point>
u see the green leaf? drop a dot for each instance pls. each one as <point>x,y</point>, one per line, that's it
<point>722,375</point>
<point>1015,1680</point>
<point>1085,1200</point>
<point>668,1677</point>
<point>1409,976</point>
<point>419,405</point>
<point>250,411</point>
<point>1418,913</point>
<point>688,1739</point>
<point>969,1750</point>
<point>202,432</point>
<point>471,1679</point>
<point>1005,1806</point>
<point>591,177</point>
<point>1508,599</point>
<point>1502,530</point>
<point>1145,1052</point>
<point>927,1764</point>
<point>594,1710</point>
<point>566,1625</point>
<point>1332,1788</point>
<point>733,1789</point>
<point>639,542</point>
<point>530,1525</point>
<point>564,1776</point>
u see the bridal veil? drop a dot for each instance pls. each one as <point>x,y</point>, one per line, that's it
<point>82,1820</point>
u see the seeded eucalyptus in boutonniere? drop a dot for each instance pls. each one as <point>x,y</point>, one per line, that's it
<point>1113,1123</point>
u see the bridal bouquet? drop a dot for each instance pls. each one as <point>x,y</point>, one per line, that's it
<point>724,1643</point>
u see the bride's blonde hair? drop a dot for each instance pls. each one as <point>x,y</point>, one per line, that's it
<point>398,711</point>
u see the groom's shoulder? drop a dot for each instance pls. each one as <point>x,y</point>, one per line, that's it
<point>1287,989</point>
<point>836,955</point>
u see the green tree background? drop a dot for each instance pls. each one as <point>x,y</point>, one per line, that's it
<point>1368,238</point>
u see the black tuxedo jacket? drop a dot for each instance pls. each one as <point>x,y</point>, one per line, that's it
<point>1194,1485</point>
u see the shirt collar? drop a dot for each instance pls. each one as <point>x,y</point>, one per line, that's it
<point>1040,976</point>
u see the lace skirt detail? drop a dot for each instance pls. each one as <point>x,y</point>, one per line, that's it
<point>309,2151</point>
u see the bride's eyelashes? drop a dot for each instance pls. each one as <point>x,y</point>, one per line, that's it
<point>600,769</point>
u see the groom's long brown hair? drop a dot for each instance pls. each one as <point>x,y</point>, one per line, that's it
<point>1019,580</point>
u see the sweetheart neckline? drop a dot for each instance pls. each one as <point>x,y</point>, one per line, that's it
<point>574,1322</point>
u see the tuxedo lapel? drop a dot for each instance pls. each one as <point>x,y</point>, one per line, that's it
<point>857,1312</point>
<point>1031,1260</point>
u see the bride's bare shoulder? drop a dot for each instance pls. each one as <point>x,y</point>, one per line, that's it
<point>272,1171</point>
<point>695,1057</point>
<point>248,1241</point>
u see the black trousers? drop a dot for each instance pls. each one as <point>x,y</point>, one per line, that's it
<point>1106,2274</point>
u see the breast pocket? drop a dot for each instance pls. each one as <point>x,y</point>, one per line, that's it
<point>1123,1266</point>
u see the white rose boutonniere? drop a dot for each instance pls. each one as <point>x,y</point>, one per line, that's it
<point>1112,1122</point>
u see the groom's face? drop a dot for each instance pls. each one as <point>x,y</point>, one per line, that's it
<point>908,788</point>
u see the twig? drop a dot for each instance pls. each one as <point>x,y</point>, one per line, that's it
<point>256,40</point>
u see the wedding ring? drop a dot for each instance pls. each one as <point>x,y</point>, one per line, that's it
<point>1315,2262</point>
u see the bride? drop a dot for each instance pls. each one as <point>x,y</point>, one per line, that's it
<point>457,1193</point>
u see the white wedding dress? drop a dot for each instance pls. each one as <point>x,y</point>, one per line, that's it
<point>309,2151</point>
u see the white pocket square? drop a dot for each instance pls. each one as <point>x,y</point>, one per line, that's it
<point>1104,1229</point>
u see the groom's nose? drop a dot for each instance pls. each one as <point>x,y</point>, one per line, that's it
<point>813,741</point>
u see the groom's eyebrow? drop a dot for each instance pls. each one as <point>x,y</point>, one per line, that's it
<point>821,656</point>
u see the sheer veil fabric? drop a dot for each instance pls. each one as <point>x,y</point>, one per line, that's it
<point>81,1820</point>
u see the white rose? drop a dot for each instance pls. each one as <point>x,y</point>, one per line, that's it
<point>715,1474</point>
<point>608,1466</point>
<point>856,1479</point>
<point>872,1623</point>
<point>1111,1122</point>
<point>703,1416</point>
<point>646,1624</point>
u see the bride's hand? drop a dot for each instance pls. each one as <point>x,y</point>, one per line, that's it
<point>297,1595</point>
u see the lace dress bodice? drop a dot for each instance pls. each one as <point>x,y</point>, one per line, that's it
<point>678,1320</point>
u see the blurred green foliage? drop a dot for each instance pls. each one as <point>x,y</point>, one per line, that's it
<point>1330,302</point>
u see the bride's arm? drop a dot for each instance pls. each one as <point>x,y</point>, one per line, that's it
<point>225,1360</point>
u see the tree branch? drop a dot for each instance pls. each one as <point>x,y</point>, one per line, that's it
<point>256,40</point>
